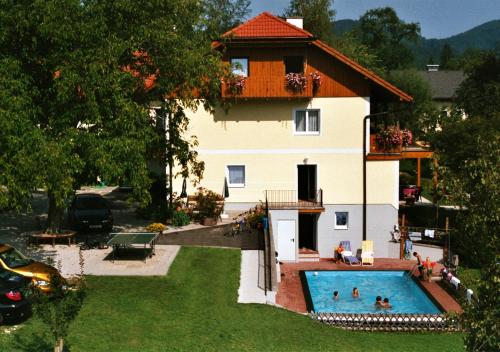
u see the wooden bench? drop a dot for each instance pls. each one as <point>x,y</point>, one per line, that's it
<point>70,236</point>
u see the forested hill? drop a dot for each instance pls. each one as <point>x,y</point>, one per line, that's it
<point>484,36</point>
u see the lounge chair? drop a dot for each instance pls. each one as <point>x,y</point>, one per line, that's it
<point>367,255</point>
<point>347,256</point>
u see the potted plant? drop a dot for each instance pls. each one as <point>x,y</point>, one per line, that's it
<point>235,84</point>
<point>209,205</point>
<point>407,137</point>
<point>389,139</point>
<point>296,82</point>
<point>316,80</point>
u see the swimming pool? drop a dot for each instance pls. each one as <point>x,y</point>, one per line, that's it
<point>404,294</point>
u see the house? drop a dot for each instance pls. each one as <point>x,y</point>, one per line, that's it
<point>300,147</point>
<point>443,84</point>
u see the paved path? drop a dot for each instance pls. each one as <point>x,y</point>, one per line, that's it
<point>249,291</point>
<point>97,261</point>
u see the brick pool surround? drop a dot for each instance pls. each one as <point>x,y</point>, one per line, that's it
<point>308,298</point>
<point>291,294</point>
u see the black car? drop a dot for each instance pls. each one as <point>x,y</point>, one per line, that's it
<point>90,212</point>
<point>14,305</point>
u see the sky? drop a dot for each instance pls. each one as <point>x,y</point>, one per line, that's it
<point>437,18</point>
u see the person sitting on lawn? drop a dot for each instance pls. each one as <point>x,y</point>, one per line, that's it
<point>355,292</point>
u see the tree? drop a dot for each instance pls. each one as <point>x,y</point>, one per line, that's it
<point>384,33</point>
<point>222,15</point>
<point>82,67</point>
<point>469,152</point>
<point>422,116</point>
<point>318,16</point>
<point>349,45</point>
<point>446,57</point>
<point>59,308</point>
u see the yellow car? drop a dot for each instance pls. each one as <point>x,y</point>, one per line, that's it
<point>13,260</point>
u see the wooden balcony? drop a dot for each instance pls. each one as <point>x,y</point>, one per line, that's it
<point>288,199</point>
<point>271,87</point>
<point>377,153</point>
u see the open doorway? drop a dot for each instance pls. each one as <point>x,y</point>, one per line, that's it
<point>306,186</point>
<point>308,231</point>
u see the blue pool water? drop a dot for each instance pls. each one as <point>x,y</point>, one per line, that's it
<point>404,294</point>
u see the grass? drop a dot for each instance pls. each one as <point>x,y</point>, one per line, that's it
<point>469,277</point>
<point>194,308</point>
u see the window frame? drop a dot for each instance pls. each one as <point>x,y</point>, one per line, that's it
<point>341,227</point>
<point>306,132</point>
<point>240,58</point>
<point>236,185</point>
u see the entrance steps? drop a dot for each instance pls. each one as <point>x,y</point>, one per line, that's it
<point>308,255</point>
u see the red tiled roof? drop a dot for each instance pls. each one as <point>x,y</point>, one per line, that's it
<point>267,25</point>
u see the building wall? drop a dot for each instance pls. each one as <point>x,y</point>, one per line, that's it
<point>260,135</point>
<point>266,68</point>
<point>380,221</point>
<point>276,216</point>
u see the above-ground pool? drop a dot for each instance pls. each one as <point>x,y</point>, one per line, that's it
<point>403,292</point>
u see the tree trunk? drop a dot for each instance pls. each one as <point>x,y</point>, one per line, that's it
<point>59,347</point>
<point>55,216</point>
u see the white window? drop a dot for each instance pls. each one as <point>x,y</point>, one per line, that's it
<point>236,175</point>
<point>239,66</point>
<point>341,220</point>
<point>307,122</point>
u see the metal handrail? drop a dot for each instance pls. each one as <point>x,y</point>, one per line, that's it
<point>289,198</point>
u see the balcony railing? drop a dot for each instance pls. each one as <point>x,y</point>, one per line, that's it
<point>288,199</point>
<point>267,87</point>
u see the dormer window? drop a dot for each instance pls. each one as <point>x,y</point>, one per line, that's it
<point>294,64</point>
<point>239,66</point>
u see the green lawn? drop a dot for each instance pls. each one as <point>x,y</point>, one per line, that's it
<point>194,309</point>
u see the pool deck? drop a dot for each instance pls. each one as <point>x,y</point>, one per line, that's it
<point>291,296</point>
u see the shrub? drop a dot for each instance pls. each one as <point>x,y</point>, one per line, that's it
<point>180,218</point>
<point>156,227</point>
<point>207,203</point>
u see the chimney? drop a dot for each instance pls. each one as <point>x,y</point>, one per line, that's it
<point>432,68</point>
<point>296,21</point>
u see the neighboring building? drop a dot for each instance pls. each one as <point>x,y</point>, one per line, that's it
<point>443,84</point>
<point>301,150</point>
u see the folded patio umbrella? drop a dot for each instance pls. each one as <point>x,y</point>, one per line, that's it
<point>226,188</point>
<point>183,192</point>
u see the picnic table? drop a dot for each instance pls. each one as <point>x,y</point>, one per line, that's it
<point>133,240</point>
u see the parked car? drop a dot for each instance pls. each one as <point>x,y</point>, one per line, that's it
<point>90,212</point>
<point>39,273</point>
<point>14,304</point>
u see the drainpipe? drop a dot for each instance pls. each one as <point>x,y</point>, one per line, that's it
<point>364,161</point>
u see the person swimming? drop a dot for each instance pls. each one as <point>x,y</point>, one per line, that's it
<point>378,302</point>
<point>386,303</point>
<point>355,292</point>
<point>336,295</point>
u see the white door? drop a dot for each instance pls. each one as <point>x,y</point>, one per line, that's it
<point>286,240</point>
